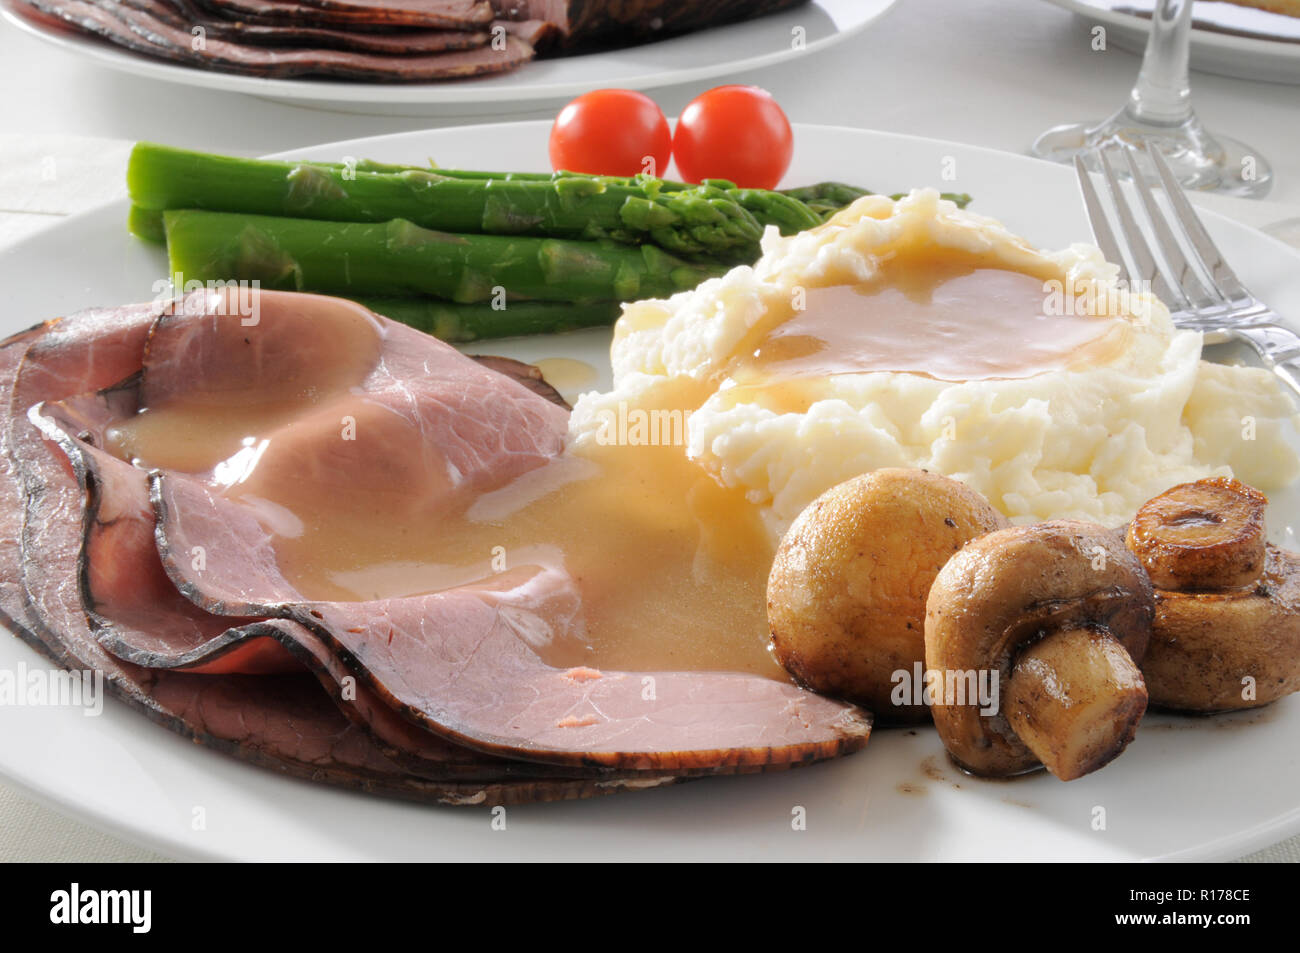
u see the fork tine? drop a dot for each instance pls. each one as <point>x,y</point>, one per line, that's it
<point>1152,269</point>
<point>1148,269</point>
<point>1186,277</point>
<point>1210,257</point>
<point>1101,230</point>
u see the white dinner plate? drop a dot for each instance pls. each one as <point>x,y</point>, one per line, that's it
<point>1227,39</point>
<point>1186,788</point>
<point>695,57</point>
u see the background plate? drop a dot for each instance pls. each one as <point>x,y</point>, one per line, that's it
<point>1226,39</point>
<point>694,57</point>
<point>1186,788</point>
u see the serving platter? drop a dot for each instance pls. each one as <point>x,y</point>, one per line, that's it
<point>692,58</point>
<point>1186,788</point>
<point>1226,39</point>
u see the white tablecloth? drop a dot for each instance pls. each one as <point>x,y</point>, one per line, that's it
<point>989,72</point>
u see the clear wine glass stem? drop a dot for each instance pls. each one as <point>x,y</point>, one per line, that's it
<point>1159,112</point>
<point>1162,95</point>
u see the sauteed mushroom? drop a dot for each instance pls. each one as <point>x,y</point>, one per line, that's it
<point>1059,612</point>
<point>846,595</point>
<point>1203,535</point>
<point>1227,626</point>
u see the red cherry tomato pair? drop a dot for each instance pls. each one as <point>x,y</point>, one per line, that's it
<point>737,133</point>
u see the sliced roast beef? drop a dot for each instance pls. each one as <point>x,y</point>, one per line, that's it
<point>41,594</point>
<point>139,616</point>
<point>279,721</point>
<point>463,663</point>
<point>525,374</point>
<point>449,13</point>
<point>12,594</point>
<point>438,14</point>
<point>122,580</point>
<point>541,35</point>
<point>189,16</point>
<point>380,40</point>
<point>590,22</point>
<point>142,32</point>
<point>440,697</point>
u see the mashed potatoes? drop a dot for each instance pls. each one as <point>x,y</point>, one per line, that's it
<point>1092,441</point>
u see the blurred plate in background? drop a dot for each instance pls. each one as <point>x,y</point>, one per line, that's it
<point>707,54</point>
<point>1227,39</point>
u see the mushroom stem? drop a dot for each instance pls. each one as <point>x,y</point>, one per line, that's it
<point>1075,698</point>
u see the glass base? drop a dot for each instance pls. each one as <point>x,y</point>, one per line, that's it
<point>1201,162</point>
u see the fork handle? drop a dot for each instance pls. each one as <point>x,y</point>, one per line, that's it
<point>1278,347</point>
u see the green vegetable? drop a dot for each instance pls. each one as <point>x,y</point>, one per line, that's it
<point>827,198</point>
<point>780,208</point>
<point>824,194</point>
<point>461,254</point>
<point>814,204</point>
<point>787,213</point>
<point>458,323</point>
<point>699,222</point>
<point>147,224</point>
<point>713,221</point>
<point>399,258</point>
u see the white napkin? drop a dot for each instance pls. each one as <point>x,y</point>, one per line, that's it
<point>43,178</point>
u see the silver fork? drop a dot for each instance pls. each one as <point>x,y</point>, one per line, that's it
<point>1181,265</point>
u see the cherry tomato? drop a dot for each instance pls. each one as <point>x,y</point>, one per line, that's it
<point>737,133</point>
<point>611,132</point>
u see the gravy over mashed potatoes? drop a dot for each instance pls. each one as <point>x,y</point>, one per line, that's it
<point>915,334</point>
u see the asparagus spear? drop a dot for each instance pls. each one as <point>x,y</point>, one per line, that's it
<point>821,201</point>
<point>784,208</point>
<point>372,166</point>
<point>700,222</point>
<point>827,198</point>
<point>399,258</point>
<point>823,198</point>
<point>787,213</point>
<point>146,223</point>
<point>458,323</point>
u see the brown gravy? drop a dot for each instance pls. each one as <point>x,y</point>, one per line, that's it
<point>672,567</point>
<point>952,319</point>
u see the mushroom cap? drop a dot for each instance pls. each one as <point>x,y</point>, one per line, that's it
<point>846,594</point>
<point>1008,589</point>
<point>1207,535</point>
<point>1204,643</point>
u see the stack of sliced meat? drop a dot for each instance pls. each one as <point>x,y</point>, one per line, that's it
<point>440,696</point>
<point>379,40</point>
<point>580,24</point>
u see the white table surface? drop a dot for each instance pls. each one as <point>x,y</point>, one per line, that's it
<point>989,72</point>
